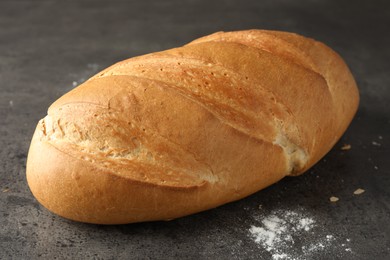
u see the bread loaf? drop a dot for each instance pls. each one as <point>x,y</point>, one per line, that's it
<point>176,132</point>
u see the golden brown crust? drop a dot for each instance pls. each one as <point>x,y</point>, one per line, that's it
<point>176,132</point>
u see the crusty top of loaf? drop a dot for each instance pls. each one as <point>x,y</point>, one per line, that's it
<point>137,117</point>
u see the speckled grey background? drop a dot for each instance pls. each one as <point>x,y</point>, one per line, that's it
<point>47,47</point>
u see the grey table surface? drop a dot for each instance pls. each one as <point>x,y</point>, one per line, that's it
<point>48,47</point>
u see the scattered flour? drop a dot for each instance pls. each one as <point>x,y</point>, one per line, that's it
<point>288,234</point>
<point>279,256</point>
<point>305,224</point>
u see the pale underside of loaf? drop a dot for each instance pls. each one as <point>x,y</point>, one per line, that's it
<point>175,132</point>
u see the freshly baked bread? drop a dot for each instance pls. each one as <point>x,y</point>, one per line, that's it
<point>173,133</point>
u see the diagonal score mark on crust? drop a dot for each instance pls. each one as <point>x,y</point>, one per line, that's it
<point>114,161</point>
<point>265,41</point>
<point>82,145</point>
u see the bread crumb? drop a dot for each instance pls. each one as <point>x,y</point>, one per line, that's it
<point>74,83</point>
<point>346,147</point>
<point>333,199</point>
<point>6,190</point>
<point>358,191</point>
<point>380,137</point>
<point>375,167</point>
<point>375,143</point>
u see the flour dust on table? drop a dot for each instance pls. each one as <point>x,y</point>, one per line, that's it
<point>295,234</point>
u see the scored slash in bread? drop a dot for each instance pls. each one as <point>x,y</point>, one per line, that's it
<point>172,133</point>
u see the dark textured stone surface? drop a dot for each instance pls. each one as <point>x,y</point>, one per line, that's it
<point>46,46</point>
